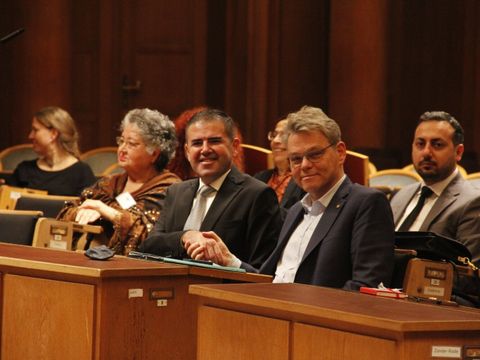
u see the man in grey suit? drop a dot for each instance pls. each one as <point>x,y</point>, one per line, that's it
<point>340,234</point>
<point>451,206</point>
<point>240,209</point>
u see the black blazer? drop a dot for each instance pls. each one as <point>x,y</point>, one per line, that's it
<point>293,192</point>
<point>352,245</point>
<point>244,213</point>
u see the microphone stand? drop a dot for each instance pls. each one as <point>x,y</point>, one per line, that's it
<point>11,35</point>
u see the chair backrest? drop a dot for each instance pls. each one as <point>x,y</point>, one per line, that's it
<point>256,158</point>
<point>100,159</point>
<point>14,155</point>
<point>394,178</point>
<point>54,234</point>
<point>59,235</point>
<point>474,179</point>
<point>10,194</point>
<point>461,169</point>
<point>50,205</point>
<point>356,167</point>
<point>113,169</point>
<point>17,227</point>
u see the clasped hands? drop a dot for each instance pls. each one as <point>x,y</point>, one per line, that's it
<point>206,245</point>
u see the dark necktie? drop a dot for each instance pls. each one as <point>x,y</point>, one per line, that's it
<point>424,194</point>
<point>197,213</point>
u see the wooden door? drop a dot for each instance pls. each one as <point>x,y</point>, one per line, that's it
<point>162,54</point>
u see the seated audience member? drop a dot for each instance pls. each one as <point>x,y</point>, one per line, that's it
<point>179,164</point>
<point>241,209</point>
<point>444,202</point>
<point>57,170</point>
<point>280,177</point>
<point>339,235</point>
<point>127,205</point>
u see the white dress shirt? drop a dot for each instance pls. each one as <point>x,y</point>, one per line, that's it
<point>293,253</point>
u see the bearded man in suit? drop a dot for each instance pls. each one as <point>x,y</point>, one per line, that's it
<point>452,206</point>
<point>340,234</point>
<point>243,211</point>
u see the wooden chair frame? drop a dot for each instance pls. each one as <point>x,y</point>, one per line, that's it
<point>89,155</point>
<point>10,194</point>
<point>12,149</point>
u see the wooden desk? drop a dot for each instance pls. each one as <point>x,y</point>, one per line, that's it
<point>62,305</point>
<point>294,321</point>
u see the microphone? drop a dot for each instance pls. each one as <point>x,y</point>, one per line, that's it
<point>11,35</point>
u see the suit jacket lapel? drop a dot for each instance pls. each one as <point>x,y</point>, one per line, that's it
<point>227,192</point>
<point>447,197</point>
<point>399,206</point>
<point>329,216</point>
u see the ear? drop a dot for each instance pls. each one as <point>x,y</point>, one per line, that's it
<point>54,135</point>
<point>235,146</point>
<point>460,148</point>
<point>341,149</point>
<point>185,149</point>
<point>155,155</point>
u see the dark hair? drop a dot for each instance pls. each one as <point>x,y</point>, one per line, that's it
<point>457,137</point>
<point>215,115</point>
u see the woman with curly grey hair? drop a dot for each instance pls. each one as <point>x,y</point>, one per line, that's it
<point>128,204</point>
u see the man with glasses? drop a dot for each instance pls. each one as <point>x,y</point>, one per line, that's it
<point>241,210</point>
<point>340,234</point>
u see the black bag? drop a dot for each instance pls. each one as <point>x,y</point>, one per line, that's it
<point>429,245</point>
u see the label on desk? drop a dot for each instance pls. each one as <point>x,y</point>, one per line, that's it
<point>450,352</point>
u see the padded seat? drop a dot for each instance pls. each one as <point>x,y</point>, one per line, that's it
<point>18,227</point>
<point>50,205</point>
<point>256,159</point>
<point>100,159</point>
<point>14,155</point>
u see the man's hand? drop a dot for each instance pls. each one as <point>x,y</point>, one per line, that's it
<point>210,247</point>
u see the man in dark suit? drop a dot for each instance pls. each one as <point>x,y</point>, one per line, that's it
<point>452,206</point>
<point>340,234</point>
<point>243,211</point>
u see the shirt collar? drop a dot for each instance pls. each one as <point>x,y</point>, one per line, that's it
<point>308,204</point>
<point>438,187</point>
<point>216,184</point>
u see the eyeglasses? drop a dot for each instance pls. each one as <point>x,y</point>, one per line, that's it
<point>273,134</point>
<point>128,143</point>
<point>314,156</point>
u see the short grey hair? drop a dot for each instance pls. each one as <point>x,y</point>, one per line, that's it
<point>157,132</point>
<point>310,118</point>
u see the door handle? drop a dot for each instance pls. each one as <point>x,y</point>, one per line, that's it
<point>131,87</point>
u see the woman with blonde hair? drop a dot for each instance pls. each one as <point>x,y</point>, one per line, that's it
<point>57,169</point>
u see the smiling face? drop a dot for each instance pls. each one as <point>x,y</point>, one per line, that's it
<point>278,146</point>
<point>434,155</point>
<point>41,137</point>
<point>209,150</point>
<point>132,153</point>
<point>317,177</point>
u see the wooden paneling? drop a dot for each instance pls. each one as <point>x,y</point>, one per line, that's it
<point>51,308</point>
<point>310,341</point>
<point>255,337</point>
<point>369,64</point>
<point>433,65</point>
<point>38,66</point>
<point>357,71</point>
